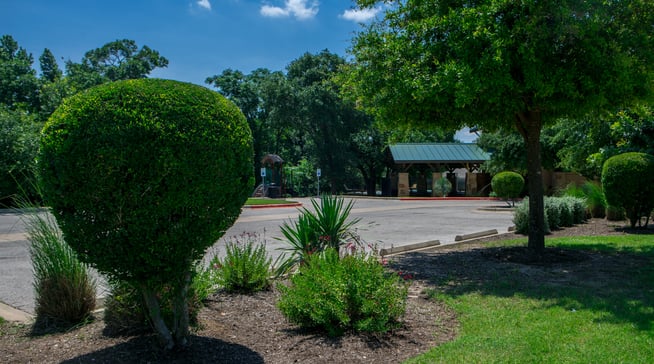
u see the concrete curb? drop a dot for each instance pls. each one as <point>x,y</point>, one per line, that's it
<point>297,204</point>
<point>480,234</point>
<point>14,315</point>
<point>410,247</point>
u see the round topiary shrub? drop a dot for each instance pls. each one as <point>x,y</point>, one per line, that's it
<point>143,176</point>
<point>508,185</point>
<point>628,182</point>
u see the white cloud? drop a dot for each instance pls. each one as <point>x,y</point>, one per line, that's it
<point>360,15</point>
<point>204,4</point>
<point>300,9</point>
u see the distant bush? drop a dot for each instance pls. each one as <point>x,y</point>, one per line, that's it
<point>336,295</point>
<point>442,187</point>
<point>559,212</point>
<point>508,185</point>
<point>627,182</point>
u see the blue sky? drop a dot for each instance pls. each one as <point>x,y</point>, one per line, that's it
<point>200,38</point>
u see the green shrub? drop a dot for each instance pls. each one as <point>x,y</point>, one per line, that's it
<point>246,267</point>
<point>521,218</point>
<point>63,286</point>
<point>553,211</point>
<point>442,187</point>
<point>335,295</point>
<point>627,182</point>
<point>143,176</point>
<point>578,207</point>
<point>508,185</point>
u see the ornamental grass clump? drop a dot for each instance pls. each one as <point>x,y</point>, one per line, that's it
<point>334,294</point>
<point>246,267</point>
<point>64,287</point>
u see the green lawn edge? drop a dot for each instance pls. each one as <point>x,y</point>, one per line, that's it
<point>512,320</point>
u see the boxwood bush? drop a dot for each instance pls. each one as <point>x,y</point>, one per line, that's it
<point>508,185</point>
<point>143,176</point>
<point>628,183</point>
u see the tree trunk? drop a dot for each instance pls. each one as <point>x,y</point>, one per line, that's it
<point>529,124</point>
<point>154,311</point>
<point>181,311</point>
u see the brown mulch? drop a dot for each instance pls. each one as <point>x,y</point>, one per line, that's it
<point>250,329</point>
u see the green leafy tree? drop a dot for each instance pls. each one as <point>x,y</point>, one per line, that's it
<point>254,94</point>
<point>368,146</point>
<point>507,149</point>
<point>324,116</point>
<point>497,63</point>
<point>143,176</point>
<point>19,141</point>
<point>50,71</point>
<point>18,82</point>
<point>117,60</point>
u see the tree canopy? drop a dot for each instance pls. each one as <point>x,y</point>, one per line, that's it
<point>500,63</point>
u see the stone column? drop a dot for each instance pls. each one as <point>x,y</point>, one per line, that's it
<point>403,188</point>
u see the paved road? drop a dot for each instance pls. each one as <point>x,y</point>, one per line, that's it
<point>386,223</point>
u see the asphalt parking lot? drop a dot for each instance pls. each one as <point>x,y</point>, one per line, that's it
<point>386,223</point>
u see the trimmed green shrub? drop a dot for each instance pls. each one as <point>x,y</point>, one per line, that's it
<point>144,175</point>
<point>508,185</point>
<point>246,267</point>
<point>628,183</point>
<point>352,293</point>
<point>559,212</point>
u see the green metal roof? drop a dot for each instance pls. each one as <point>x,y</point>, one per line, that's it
<point>437,153</point>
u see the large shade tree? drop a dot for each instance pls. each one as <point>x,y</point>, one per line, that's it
<point>504,63</point>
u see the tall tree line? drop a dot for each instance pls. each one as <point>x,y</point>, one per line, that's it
<point>28,99</point>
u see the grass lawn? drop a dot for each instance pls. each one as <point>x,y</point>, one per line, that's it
<point>252,201</point>
<point>517,318</point>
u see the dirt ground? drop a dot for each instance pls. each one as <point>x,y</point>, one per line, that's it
<point>250,329</point>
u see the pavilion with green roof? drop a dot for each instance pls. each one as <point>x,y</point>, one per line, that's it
<point>412,163</point>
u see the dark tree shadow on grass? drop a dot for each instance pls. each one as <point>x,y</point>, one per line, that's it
<point>597,278</point>
<point>144,349</point>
